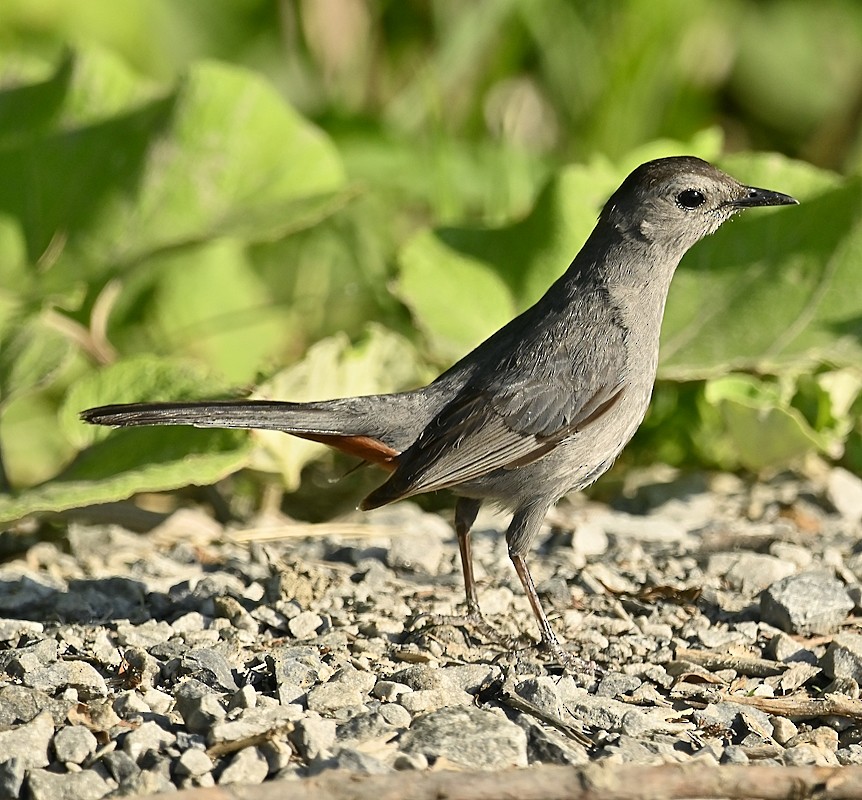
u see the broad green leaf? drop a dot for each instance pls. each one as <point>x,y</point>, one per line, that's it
<point>118,169</point>
<point>31,352</point>
<point>382,362</point>
<point>760,431</point>
<point>137,379</point>
<point>134,460</point>
<point>205,303</point>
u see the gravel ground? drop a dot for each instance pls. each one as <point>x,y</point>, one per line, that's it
<point>722,617</point>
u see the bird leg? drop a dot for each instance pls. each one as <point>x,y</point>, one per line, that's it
<point>466,510</point>
<point>525,524</point>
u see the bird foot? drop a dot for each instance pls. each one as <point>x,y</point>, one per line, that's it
<point>571,663</point>
<point>473,623</point>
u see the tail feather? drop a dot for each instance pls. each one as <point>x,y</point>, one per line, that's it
<point>311,418</point>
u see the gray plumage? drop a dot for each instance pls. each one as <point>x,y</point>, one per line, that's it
<point>544,405</point>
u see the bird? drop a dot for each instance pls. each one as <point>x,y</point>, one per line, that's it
<point>542,407</point>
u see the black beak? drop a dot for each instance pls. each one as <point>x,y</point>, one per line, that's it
<point>763,197</point>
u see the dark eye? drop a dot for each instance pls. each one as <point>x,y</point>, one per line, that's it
<point>690,198</point>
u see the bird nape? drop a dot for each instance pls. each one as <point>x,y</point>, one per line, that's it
<point>543,406</point>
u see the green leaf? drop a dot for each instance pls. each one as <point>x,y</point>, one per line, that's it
<point>137,379</point>
<point>131,461</point>
<point>114,169</point>
<point>31,353</point>
<point>382,362</point>
<point>754,425</point>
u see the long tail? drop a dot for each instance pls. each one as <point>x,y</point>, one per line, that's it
<point>352,426</point>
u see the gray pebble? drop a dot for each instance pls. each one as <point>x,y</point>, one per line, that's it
<point>844,490</point>
<point>782,647</point>
<point>254,722</point>
<point>469,736</point>
<point>63,674</point>
<point>12,773</point>
<point>415,551</point>
<point>389,690</point>
<point>120,766</point>
<point>231,609</point>
<point>149,736</point>
<point>753,572</point>
<point>313,737</point>
<point>843,658</point>
<point>813,602</point>
<point>432,699</point>
<point>247,766</point>
<point>73,744</point>
<point>246,697</point>
<point>734,754</point>
<point>396,715</point>
<point>783,730</point>
<point>305,625</point>
<point>615,684</point>
<point>348,687</point>
<point>850,755</point>
<point>422,676</point>
<point>199,706</point>
<point>29,742</point>
<point>351,760</point>
<point>193,763</point>
<point>86,785</point>
<point>549,746</point>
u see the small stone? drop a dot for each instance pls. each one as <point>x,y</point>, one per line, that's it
<point>844,490</point>
<point>396,715</point>
<point>207,666</point>
<point>130,704</point>
<point>73,744</point>
<point>305,625</point>
<point>782,647</point>
<point>423,676</point>
<point>313,737</point>
<point>62,674</point>
<point>246,697</point>
<point>850,755</point>
<point>198,705</point>
<point>351,760</point>
<point>783,730</point>
<point>149,736</point>
<point>348,687</point>
<point>389,690</point>
<point>734,754</point>
<point>753,572</point>
<point>469,736</point>
<point>86,785</point>
<point>810,603</point>
<point>247,766</point>
<point>12,773</point>
<point>193,763</point>
<point>549,746</point>
<point>615,684</point>
<point>144,635</point>
<point>255,722</point>
<point>231,609</point>
<point>804,755</point>
<point>121,766</point>
<point>432,699</point>
<point>843,657</point>
<point>417,552</point>
<point>29,743</point>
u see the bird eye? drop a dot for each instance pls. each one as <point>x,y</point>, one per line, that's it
<point>690,198</point>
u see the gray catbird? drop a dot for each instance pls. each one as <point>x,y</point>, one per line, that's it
<point>542,407</point>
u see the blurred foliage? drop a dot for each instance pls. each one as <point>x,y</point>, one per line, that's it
<point>195,194</point>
